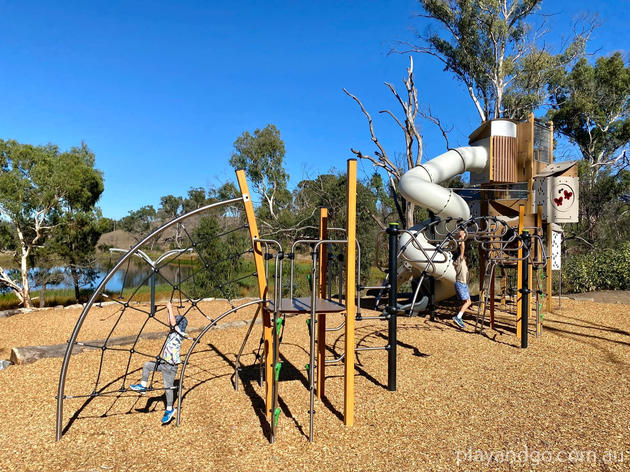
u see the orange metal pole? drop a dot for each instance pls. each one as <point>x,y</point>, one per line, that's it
<point>262,286</point>
<point>351,309</point>
<point>321,317</point>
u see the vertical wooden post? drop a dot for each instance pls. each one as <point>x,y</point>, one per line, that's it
<point>537,286</point>
<point>321,317</point>
<point>519,274</point>
<point>503,287</point>
<point>492,295</point>
<point>530,285</point>
<point>484,210</point>
<point>351,309</point>
<point>494,247</point>
<point>549,268</point>
<point>526,292</point>
<point>262,287</point>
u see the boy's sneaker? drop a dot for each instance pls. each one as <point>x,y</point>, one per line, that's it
<point>168,415</point>
<point>459,322</point>
<point>138,388</point>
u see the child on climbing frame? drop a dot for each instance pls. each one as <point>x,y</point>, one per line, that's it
<point>167,363</point>
<point>461,277</point>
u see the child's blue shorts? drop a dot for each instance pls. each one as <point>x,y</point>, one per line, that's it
<point>462,291</point>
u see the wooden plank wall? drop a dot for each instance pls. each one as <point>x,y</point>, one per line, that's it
<point>504,159</point>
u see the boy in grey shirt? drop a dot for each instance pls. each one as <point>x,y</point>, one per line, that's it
<point>168,363</point>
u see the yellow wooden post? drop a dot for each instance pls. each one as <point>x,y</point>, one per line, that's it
<point>351,309</point>
<point>519,273</point>
<point>492,296</point>
<point>321,317</point>
<point>484,206</point>
<point>262,286</point>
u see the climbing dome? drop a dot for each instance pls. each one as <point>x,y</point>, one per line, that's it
<point>202,263</point>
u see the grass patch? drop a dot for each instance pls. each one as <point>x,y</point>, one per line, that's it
<point>54,297</point>
<point>8,301</point>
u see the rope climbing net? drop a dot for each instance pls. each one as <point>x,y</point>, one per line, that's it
<point>204,260</point>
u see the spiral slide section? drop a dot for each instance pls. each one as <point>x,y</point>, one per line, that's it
<point>420,186</point>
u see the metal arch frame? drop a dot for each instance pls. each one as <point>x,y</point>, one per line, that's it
<point>196,342</point>
<point>153,263</point>
<point>133,251</point>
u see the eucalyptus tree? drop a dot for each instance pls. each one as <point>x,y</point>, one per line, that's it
<point>591,106</point>
<point>38,185</point>
<point>74,242</point>
<point>261,155</point>
<point>196,198</point>
<point>140,221</point>
<point>170,207</point>
<point>498,49</point>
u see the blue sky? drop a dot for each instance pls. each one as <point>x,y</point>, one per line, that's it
<point>160,90</point>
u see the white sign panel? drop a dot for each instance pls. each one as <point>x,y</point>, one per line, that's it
<point>556,250</point>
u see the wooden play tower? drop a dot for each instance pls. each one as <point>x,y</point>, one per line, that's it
<point>522,184</point>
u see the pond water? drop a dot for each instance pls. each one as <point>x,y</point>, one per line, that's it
<point>129,275</point>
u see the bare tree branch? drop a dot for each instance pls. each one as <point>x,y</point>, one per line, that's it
<point>428,115</point>
<point>413,138</point>
<point>385,162</point>
<point>394,118</point>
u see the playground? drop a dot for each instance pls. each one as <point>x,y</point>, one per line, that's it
<point>322,371</point>
<point>456,391</point>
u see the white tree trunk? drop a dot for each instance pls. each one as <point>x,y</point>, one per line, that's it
<point>26,289</point>
<point>6,281</point>
<point>25,296</point>
<point>409,214</point>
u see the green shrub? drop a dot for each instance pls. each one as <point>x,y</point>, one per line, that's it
<point>604,269</point>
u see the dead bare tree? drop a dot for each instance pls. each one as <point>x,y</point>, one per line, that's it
<point>413,139</point>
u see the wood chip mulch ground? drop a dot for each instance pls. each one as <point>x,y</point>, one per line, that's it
<point>464,401</point>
